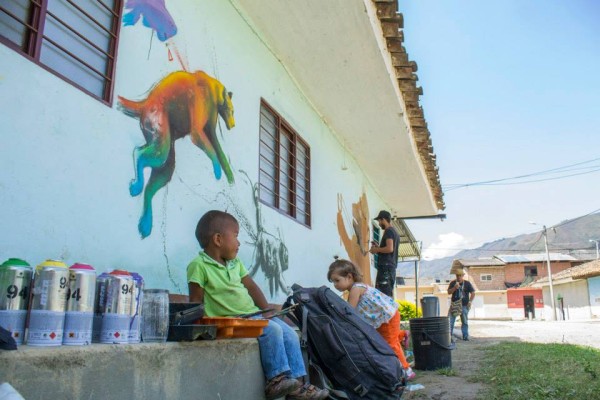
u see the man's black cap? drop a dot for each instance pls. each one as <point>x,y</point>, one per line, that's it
<point>384,215</point>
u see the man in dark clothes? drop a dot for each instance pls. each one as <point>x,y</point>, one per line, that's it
<point>461,289</point>
<point>388,254</point>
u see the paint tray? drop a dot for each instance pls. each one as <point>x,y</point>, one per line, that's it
<point>235,327</point>
<point>187,333</point>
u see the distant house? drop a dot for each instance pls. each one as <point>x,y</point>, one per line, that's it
<point>523,269</point>
<point>576,290</point>
<point>504,283</point>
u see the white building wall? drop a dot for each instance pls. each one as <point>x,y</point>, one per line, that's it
<point>594,292</point>
<point>489,305</point>
<point>67,159</point>
<point>575,301</point>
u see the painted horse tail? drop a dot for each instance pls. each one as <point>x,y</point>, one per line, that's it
<point>131,108</point>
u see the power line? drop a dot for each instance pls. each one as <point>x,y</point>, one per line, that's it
<point>559,170</point>
<point>515,250</point>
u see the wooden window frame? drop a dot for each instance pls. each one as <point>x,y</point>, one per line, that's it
<point>481,276</point>
<point>33,37</point>
<point>283,127</point>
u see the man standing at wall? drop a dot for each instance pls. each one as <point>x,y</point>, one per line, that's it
<point>387,251</point>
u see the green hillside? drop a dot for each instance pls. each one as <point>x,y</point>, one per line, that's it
<point>568,237</point>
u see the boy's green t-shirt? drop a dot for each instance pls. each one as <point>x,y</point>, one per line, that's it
<point>224,293</point>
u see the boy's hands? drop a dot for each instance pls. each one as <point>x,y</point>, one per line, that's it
<point>275,309</point>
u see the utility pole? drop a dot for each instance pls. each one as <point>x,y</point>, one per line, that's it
<point>597,253</point>
<point>553,315</point>
<point>417,265</point>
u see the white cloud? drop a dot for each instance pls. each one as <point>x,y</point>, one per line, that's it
<point>448,244</point>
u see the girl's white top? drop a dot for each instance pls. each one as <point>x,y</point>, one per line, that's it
<point>375,307</point>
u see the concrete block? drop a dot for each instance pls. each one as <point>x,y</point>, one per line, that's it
<point>220,370</point>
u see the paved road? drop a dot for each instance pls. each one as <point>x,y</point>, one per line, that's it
<point>585,333</point>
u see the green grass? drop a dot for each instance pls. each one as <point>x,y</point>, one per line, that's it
<point>530,371</point>
<point>446,372</point>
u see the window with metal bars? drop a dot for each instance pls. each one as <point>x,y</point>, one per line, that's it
<point>284,163</point>
<point>74,39</point>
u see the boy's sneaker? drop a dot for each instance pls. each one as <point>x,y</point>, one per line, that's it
<point>308,391</point>
<point>280,386</point>
<point>410,374</point>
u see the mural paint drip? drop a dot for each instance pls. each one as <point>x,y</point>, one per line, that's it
<point>163,231</point>
<point>181,104</point>
<point>154,15</point>
<point>357,246</point>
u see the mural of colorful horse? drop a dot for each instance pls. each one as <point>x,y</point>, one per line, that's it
<point>183,103</point>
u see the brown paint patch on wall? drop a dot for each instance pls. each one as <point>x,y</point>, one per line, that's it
<point>357,244</point>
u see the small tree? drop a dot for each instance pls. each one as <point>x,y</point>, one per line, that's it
<point>408,310</point>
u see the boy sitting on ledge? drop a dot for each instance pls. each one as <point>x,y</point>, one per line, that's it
<point>218,279</point>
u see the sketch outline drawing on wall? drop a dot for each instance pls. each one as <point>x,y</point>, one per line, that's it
<point>270,253</point>
<point>183,103</point>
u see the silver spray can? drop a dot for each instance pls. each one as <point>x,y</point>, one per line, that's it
<point>136,309</point>
<point>48,304</point>
<point>15,283</point>
<point>80,305</point>
<point>117,312</point>
<point>99,305</point>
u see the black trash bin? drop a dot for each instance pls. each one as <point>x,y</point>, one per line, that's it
<point>431,343</point>
<point>430,306</point>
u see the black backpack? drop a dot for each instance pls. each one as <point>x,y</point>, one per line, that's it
<point>348,351</point>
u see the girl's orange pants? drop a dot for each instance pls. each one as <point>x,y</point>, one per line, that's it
<point>392,334</point>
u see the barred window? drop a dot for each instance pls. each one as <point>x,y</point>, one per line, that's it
<point>284,164</point>
<point>76,40</point>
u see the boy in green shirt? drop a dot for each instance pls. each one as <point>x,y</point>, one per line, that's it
<point>219,279</point>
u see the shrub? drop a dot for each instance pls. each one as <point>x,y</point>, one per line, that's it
<point>408,310</point>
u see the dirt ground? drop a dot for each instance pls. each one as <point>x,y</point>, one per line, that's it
<point>468,356</point>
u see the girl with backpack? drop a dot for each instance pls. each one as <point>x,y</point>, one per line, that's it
<point>376,308</point>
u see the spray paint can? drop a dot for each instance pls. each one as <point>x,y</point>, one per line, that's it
<point>80,305</point>
<point>136,309</point>
<point>15,282</point>
<point>48,304</point>
<point>117,311</point>
<point>99,305</point>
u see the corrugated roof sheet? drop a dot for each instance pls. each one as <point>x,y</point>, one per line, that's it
<point>409,248</point>
<point>538,257</point>
<point>478,262</point>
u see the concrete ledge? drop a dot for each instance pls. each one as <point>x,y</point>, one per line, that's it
<point>219,369</point>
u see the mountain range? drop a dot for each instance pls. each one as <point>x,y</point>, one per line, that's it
<point>568,237</point>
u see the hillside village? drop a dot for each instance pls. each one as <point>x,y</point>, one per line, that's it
<point>515,286</point>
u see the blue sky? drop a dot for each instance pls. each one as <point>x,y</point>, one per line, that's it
<point>511,87</point>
